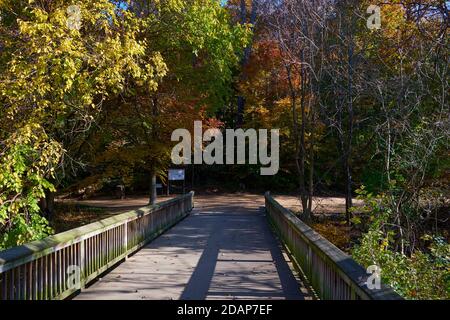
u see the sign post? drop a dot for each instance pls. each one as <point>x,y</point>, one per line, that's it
<point>175,175</point>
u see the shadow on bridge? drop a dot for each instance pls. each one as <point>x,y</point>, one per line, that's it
<point>223,250</point>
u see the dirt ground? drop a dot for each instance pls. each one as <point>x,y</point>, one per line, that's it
<point>73,213</point>
<point>114,205</point>
<point>321,205</point>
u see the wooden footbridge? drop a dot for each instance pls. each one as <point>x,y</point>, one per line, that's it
<point>223,249</point>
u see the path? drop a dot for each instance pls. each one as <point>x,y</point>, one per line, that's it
<point>223,250</point>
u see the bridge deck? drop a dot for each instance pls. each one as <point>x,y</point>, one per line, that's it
<point>223,250</point>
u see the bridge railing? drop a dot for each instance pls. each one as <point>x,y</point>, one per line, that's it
<point>330,272</point>
<point>60,265</point>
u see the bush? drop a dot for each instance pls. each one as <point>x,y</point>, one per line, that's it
<point>422,274</point>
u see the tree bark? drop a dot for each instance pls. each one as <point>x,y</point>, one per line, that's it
<point>153,194</point>
<point>348,151</point>
<point>245,58</point>
<point>47,205</point>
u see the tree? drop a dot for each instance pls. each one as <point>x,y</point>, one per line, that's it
<point>56,74</point>
<point>200,49</point>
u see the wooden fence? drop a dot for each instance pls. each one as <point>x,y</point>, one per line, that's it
<point>60,265</point>
<point>330,272</point>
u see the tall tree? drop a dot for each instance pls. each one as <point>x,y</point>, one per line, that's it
<point>59,64</point>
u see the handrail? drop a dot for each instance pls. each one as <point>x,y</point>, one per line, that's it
<point>332,274</point>
<point>60,265</point>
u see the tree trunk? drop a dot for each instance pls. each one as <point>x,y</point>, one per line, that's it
<point>303,189</point>
<point>348,190</point>
<point>153,189</point>
<point>47,205</point>
<point>153,194</point>
<point>311,167</point>
<point>348,151</point>
<point>246,56</point>
<point>240,111</point>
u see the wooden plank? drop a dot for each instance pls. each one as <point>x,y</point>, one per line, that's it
<point>46,276</point>
<point>51,275</point>
<point>4,286</point>
<point>12,278</point>
<point>82,248</point>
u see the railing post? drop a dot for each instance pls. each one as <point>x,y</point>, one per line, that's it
<point>82,265</point>
<point>125,239</point>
